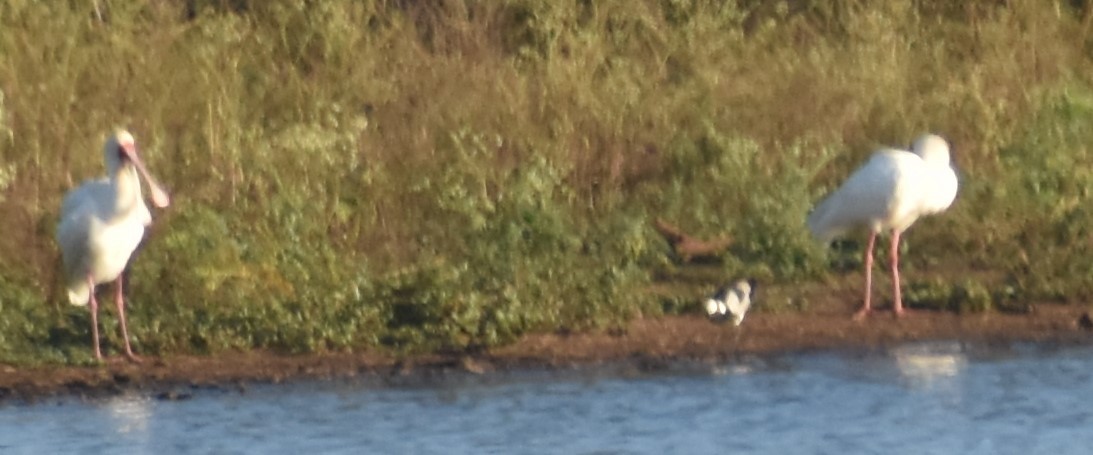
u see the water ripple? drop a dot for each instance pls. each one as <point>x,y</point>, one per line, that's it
<point>917,398</point>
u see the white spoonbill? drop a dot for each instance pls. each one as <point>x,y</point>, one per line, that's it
<point>889,193</point>
<point>731,301</point>
<point>101,224</point>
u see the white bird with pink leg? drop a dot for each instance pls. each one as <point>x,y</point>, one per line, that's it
<point>101,224</point>
<point>889,193</point>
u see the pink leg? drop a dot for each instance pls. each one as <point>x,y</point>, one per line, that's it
<point>897,306</point>
<point>867,308</point>
<point>94,307</point>
<point>121,317</point>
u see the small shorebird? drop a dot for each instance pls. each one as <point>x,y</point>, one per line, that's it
<point>731,301</point>
<point>101,223</point>
<point>889,193</point>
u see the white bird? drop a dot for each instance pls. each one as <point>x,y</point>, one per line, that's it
<point>101,223</point>
<point>889,193</point>
<point>731,301</point>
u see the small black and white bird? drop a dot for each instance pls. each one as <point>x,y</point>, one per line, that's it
<point>731,301</point>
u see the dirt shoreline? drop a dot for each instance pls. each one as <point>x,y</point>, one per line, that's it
<point>646,344</point>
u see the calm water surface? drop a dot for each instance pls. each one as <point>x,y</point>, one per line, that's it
<point>919,398</point>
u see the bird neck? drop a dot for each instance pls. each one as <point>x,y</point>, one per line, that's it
<point>126,189</point>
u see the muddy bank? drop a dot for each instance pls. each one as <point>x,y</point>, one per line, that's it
<point>645,344</point>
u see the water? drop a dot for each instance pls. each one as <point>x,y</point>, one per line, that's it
<point>919,398</point>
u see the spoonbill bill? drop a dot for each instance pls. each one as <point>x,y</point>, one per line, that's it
<point>101,223</point>
<point>731,302</point>
<point>889,193</point>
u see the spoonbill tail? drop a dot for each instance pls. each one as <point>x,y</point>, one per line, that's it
<point>102,222</point>
<point>892,190</point>
<point>731,301</point>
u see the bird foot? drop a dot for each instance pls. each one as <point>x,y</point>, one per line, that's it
<point>133,358</point>
<point>862,314</point>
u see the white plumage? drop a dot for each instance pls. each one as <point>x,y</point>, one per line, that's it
<point>101,224</point>
<point>889,193</point>
<point>731,302</point>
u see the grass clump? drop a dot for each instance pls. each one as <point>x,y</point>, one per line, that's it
<point>1029,218</point>
<point>511,257</point>
<point>968,295</point>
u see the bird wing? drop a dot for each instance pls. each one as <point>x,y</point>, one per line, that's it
<point>85,197</point>
<point>867,198</point>
<point>737,303</point>
<point>722,293</point>
<point>74,230</point>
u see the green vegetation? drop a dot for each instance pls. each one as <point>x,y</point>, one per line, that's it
<point>449,175</point>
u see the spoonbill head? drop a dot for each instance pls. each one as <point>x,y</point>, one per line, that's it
<point>101,223</point>
<point>731,302</point>
<point>120,155</point>
<point>889,193</point>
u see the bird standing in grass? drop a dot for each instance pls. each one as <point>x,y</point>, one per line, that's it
<point>889,193</point>
<point>101,223</point>
<point>731,302</point>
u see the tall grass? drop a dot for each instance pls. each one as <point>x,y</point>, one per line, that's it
<point>450,175</point>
